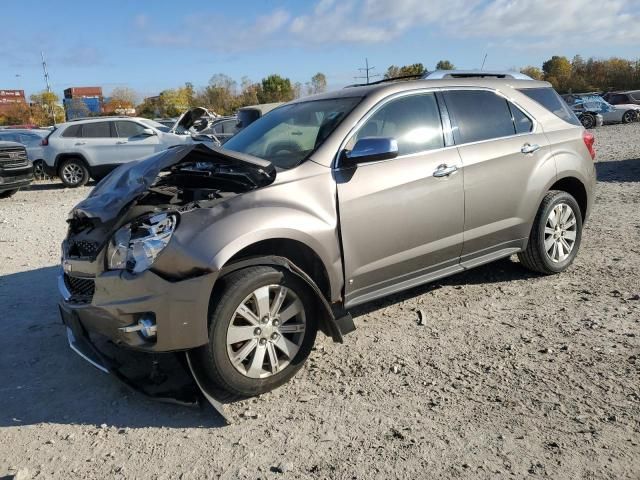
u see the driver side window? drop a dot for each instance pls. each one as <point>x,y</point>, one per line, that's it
<point>414,121</point>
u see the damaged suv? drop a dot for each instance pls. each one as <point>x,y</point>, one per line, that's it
<point>238,256</point>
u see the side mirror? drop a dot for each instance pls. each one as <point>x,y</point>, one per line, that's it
<point>371,149</point>
<point>149,132</point>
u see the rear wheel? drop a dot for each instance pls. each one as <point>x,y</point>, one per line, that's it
<point>39,170</point>
<point>262,328</point>
<point>555,234</point>
<point>629,116</point>
<point>9,193</point>
<point>588,120</point>
<point>73,172</point>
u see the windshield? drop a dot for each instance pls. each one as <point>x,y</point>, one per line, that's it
<point>156,125</point>
<point>289,134</point>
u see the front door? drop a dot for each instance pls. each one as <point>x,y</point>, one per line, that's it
<point>399,222</point>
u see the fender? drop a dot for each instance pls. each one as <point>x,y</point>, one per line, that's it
<point>335,322</point>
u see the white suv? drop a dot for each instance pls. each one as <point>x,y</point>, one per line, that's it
<point>80,149</point>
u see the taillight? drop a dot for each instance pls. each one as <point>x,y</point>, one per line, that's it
<point>589,140</point>
<point>45,141</point>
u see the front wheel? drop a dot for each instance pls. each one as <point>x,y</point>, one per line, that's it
<point>262,327</point>
<point>629,116</point>
<point>555,235</point>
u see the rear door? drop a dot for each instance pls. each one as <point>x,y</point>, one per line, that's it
<point>97,143</point>
<point>132,142</point>
<point>399,222</point>
<point>503,152</point>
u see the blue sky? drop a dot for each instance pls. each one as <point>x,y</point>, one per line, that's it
<point>150,46</point>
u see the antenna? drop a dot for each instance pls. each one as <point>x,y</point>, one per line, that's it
<point>46,79</point>
<point>366,71</point>
<point>484,60</point>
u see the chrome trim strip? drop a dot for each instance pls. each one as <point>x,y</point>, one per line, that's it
<point>72,343</point>
<point>62,287</point>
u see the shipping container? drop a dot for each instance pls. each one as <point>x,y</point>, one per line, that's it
<point>74,92</point>
<point>88,107</point>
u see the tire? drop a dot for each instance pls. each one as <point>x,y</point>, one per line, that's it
<point>239,380</point>
<point>540,255</point>
<point>629,116</point>
<point>8,193</point>
<point>73,172</point>
<point>588,121</point>
<point>39,172</point>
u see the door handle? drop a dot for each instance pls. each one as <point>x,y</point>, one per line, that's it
<point>444,170</point>
<point>528,148</point>
<point>81,143</point>
<point>122,142</point>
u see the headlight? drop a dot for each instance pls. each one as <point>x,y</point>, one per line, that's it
<point>136,245</point>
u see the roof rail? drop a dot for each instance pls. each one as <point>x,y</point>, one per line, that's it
<point>415,76</point>
<point>442,74</point>
<point>99,117</point>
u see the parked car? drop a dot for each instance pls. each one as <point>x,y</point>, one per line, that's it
<point>32,140</point>
<point>91,148</point>
<point>595,104</point>
<point>16,171</point>
<point>623,98</point>
<point>223,128</point>
<point>247,115</point>
<point>238,256</point>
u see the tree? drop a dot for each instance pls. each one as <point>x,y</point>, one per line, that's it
<point>557,70</point>
<point>173,102</point>
<point>445,65</point>
<point>533,72</point>
<point>414,69</point>
<point>220,95</point>
<point>318,83</point>
<point>44,107</point>
<point>275,89</point>
<point>17,114</point>
<point>122,98</point>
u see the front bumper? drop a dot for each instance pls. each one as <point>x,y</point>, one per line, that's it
<point>119,299</point>
<point>11,179</point>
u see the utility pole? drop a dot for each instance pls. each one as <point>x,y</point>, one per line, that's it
<point>46,79</point>
<point>366,71</point>
<point>484,60</point>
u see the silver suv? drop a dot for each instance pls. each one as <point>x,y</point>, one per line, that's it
<point>238,256</point>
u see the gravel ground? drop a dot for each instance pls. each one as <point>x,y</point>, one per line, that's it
<point>511,375</point>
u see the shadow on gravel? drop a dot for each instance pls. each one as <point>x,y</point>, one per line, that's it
<point>52,185</point>
<point>44,381</point>
<point>505,270</point>
<point>619,170</point>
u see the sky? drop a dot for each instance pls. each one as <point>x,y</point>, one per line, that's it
<point>151,46</point>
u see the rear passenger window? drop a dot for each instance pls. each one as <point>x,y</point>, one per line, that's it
<point>73,131</point>
<point>478,115</point>
<point>414,121</point>
<point>128,129</point>
<point>549,99</point>
<point>96,130</point>
<point>522,123</point>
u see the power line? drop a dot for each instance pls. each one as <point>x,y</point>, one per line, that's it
<point>367,76</point>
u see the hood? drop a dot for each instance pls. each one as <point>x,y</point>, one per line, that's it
<point>127,182</point>
<point>190,118</point>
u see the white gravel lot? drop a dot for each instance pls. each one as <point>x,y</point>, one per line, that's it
<point>513,375</point>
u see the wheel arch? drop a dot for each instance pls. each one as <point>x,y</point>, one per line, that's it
<point>574,187</point>
<point>61,157</point>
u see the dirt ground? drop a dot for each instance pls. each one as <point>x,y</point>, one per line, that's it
<point>511,375</point>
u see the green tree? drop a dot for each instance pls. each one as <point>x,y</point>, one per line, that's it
<point>445,65</point>
<point>275,89</point>
<point>414,69</point>
<point>533,72</point>
<point>220,95</point>
<point>45,108</point>
<point>557,70</point>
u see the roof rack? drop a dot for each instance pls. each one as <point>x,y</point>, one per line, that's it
<point>414,76</point>
<point>103,117</point>
<point>443,74</point>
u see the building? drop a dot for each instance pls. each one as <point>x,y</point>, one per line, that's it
<point>83,102</point>
<point>10,99</point>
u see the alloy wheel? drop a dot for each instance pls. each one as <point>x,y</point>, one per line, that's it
<point>72,173</point>
<point>560,233</point>
<point>266,331</point>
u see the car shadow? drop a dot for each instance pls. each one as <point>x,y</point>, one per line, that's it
<point>45,185</point>
<point>619,170</point>
<point>44,381</point>
<point>500,271</point>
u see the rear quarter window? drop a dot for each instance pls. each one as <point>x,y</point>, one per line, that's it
<point>549,99</point>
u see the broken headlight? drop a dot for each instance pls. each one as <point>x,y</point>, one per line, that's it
<point>136,245</point>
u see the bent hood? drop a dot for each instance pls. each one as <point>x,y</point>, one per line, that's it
<point>189,119</point>
<point>129,181</point>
